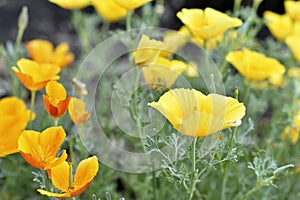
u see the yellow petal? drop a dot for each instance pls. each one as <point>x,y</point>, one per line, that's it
<point>77,111</point>
<point>148,51</point>
<point>39,50</point>
<point>207,24</point>
<point>72,4</point>
<point>132,4</point>
<point>245,62</point>
<point>52,194</point>
<point>109,10</point>
<point>85,172</point>
<point>293,42</point>
<point>292,8</point>
<point>279,25</point>
<point>60,176</point>
<point>56,92</point>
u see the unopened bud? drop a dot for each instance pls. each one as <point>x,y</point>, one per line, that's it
<point>23,18</point>
<point>282,171</point>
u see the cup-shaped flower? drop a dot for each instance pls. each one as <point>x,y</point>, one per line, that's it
<point>163,73</point>
<point>132,4</point>
<point>147,51</point>
<point>77,111</point>
<point>246,62</point>
<point>293,42</point>
<point>279,25</point>
<point>290,133</point>
<point>208,23</point>
<point>292,9</point>
<point>55,100</point>
<point>60,177</point>
<point>109,10</point>
<point>40,149</point>
<point>35,76</point>
<point>71,4</point>
<point>13,119</point>
<point>42,51</point>
<point>195,114</point>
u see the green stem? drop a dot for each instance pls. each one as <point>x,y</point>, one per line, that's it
<point>154,184</point>
<point>18,42</point>
<point>71,147</point>
<point>128,20</point>
<point>56,121</point>
<point>247,89</point>
<point>194,177</point>
<point>32,107</point>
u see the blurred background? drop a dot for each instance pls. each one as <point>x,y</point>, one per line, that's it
<point>48,21</point>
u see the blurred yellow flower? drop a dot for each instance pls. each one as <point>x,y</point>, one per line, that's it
<point>77,111</point>
<point>291,133</point>
<point>279,25</point>
<point>13,119</point>
<point>72,4</point>
<point>147,51</point>
<point>174,40</point>
<point>42,51</point>
<point>254,65</point>
<point>293,42</point>
<point>55,100</point>
<point>35,76</point>
<point>60,176</point>
<point>132,4</point>
<point>191,70</point>
<point>109,10</point>
<point>40,149</point>
<point>163,73</point>
<point>292,8</point>
<point>208,23</point>
<point>195,114</point>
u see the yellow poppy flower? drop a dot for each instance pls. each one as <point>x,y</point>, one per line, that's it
<point>293,42</point>
<point>35,76</point>
<point>292,8</point>
<point>194,114</point>
<point>71,4</point>
<point>60,177</point>
<point>208,23</point>
<point>42,51</point>
<point>77,111</point>
<point>13,119</point>
<point>109,10</point>
<point>132,4</point>
<point>279,25</point>
<point>40,149</point>
<point>246,62</point>
<point>55,100</point>
<point>147,52</point>
<point>163,73</point>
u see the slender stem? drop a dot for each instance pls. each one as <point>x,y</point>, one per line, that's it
<point>194,177</point>
<point>128,20</point>
<point>247,89</point>
<point>105,27</point>
<point>71,147</point>
<point>154,185</point>
<point>18,42</point>
<point>56,121</point>
<point>32,107</point>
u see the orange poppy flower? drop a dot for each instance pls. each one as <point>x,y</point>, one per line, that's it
<point>40,149</point>
<point>77,111</point>
<point>35,76</point>
<point>42,51</point>
<point>13,119</point>
<point>62,179</point>
<point>55,100</point>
